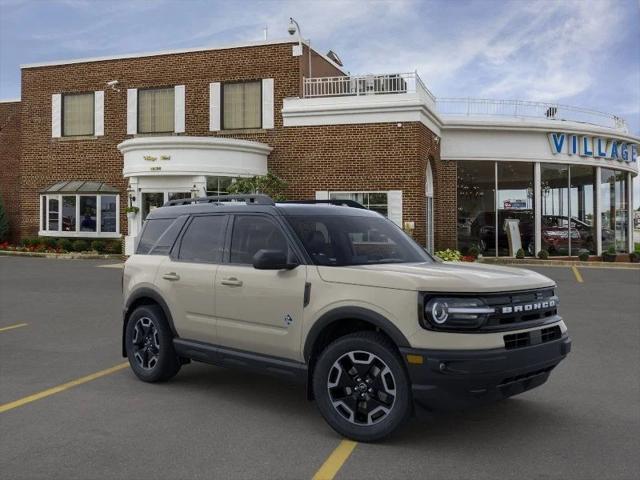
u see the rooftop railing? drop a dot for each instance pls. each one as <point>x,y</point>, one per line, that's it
<point>356,85</point>
<point>478,107</point>
<point>399,83</point>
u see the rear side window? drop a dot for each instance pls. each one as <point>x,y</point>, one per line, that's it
<point>204,239</point>
<point>153,230</point>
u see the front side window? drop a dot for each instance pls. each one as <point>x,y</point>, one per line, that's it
<point>156,110</point>
<point>153,230</point>
<point>204,239</point>
<point>253,233</point>
<point>242,105</point>
<point>77,114</point>
<point>108,214</point>
<point>376,201</point>
<point>338,240</point>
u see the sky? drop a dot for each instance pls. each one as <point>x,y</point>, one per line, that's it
<point>576,52</point>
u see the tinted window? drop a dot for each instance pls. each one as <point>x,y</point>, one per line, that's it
<point>153,229</point>
<point>354,240</point>
<point>168,238</point>
<point>204,239</point>
<point>253,233</point>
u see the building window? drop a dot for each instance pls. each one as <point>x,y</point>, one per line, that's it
<point>219,185</point>
<point>515,208</point>
<point>75,215</point>
<point>156,110</point>
<point>242,105</point>
<point>477,206</point>
<point>78,114</point>
<point>376,201</point>
<point>614,210</point>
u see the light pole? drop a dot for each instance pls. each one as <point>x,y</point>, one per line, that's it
<point>293,28</point>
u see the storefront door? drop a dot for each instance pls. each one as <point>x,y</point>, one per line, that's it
<point>151,200</point>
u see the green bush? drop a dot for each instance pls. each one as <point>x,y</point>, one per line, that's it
<point>65,244</point>
<point>636,247</point>
<point>583,255</point>
<point>634,257</point>
<point>48,242</point>
<point>27,242</point>
<point>474,251</point>
<point>520,253</point>
<point>80,246</point>
<point>99,246</point>
<point>449,255</point>
<point>114,247</point>
<point>4,223</point>
<point>611,250</point>
<point>543,254</point>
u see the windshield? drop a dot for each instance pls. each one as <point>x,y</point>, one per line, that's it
<point>355,240</point>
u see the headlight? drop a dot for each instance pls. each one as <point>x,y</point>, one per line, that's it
<point>456,313</point>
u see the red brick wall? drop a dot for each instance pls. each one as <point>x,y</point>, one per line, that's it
<point>10,162</point>
<point>341,157</point>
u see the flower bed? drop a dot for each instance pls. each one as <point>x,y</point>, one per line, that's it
<point>64,245</point>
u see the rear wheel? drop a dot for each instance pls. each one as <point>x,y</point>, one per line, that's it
<point>361,386</point>
<point>149,344</point>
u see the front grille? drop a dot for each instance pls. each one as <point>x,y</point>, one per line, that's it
<point>513,309</point>
<point>534,337</point>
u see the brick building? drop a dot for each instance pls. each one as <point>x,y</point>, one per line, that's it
<point>90,137</point>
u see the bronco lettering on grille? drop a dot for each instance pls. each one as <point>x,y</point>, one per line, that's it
<point>528,307</point>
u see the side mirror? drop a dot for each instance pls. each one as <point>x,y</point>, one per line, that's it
<point>272,260</point>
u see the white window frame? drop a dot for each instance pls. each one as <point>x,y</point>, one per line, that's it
<point>45,232</point>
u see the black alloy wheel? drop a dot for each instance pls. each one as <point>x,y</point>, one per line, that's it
<point>361,386</point>
<point>149,345</point>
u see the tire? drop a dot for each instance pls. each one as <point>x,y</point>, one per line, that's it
<point>370,402</point>
<point>149,345</point>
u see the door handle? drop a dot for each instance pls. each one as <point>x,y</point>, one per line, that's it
<point>172,276</point>
<point>231,282</point>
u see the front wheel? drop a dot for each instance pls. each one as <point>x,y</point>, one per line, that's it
<point>361,387</point>
<point>149,345</point>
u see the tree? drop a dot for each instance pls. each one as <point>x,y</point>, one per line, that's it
<point>4,223</point>
<point>268,184</point>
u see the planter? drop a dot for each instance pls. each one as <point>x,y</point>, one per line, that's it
<point>131,216</point>
<point>634,257</point>
<point>609,257</point>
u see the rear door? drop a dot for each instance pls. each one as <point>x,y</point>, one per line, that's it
<point>187,277</point>
<point>259,310</point>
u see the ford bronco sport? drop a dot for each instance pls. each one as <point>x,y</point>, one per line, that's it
<point>340,298</point>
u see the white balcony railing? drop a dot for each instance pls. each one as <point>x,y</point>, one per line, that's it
<point>356,85</point>
<point>476,107</point>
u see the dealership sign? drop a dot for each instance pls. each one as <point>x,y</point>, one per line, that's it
<point>597,147</point>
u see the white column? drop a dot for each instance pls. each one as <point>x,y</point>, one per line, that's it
<point>598,212</point>
<point>537,202</point>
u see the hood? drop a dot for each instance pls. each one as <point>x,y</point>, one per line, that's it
<point>459,277</point>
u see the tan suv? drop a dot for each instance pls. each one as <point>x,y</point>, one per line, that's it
<point>338,297</point>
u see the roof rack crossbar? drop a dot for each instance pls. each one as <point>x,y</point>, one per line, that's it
<point>249,199</point>
<point>337,202</point>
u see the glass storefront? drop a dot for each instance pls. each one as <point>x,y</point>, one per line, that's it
<point>515,208</point>
<point>614,210</point>
<point>476,206</point>
<point>496,208</point>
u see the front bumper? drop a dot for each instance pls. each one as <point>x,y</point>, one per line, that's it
<point>450,379</point>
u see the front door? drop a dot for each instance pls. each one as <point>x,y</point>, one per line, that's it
<point>151,200</point>
<point>259,310</point>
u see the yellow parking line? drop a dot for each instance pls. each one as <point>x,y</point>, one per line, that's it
<point>577,274</point>
<point>11,327</point>
<point>334,463</point>
<point>61,388</point>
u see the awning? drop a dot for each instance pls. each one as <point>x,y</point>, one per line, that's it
<point>80,186</point>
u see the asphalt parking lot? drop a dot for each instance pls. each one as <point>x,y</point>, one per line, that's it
<point>60,322</point>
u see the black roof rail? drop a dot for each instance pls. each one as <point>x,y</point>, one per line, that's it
<point>337,202</point>
<point>249,199</point>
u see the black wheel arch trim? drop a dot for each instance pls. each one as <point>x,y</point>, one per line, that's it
<point>353,313</point>
<point>143,293</point>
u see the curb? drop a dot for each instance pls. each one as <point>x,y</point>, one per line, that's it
<point>64,256</point>
<point>560,263</point>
